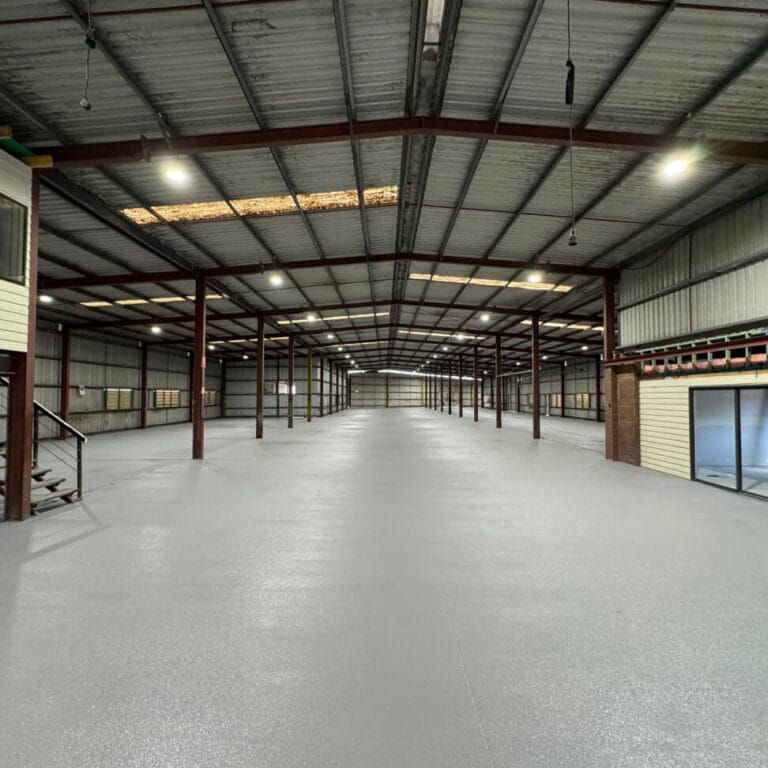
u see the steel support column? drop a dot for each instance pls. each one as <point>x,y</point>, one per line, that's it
<point>291,352</point>
<point>321,408</point>
<point>309,384</point>
<point>386,392</point>
<point>277,387</point>
<point>442,388</point>
<point>598,387</point>
<point>223,390</point>
<point>450,389</point>
<point>497,386</point>
<point>536,377</point>
<point>64,379</point>
<point>21,390</point>
<point>475,402</point>
<point>461,386</point>
<point>198,372</point>
<point>144,382</point>
<point>260,377</point>
<point>609,341</point>
<point>562,390</point>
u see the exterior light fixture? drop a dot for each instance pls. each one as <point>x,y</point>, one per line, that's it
<point>156,329</point>
<point>174,173</point>
<point>44,298</point>
<point>276,279</point>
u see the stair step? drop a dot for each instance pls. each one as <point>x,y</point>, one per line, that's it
<point>50,483</point>
<point>66,495</point>
<point>39,474</point>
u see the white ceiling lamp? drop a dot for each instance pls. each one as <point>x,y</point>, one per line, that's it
<point>485,317</point>
<point>245,357</point>
<point>44,298</point>
<point>175,173</point>
<point>445,349</point>
<point>676,167</point>
<point>156,329</point>
<point>584,347</point>
<point>535,277</point>
<point>311,317</point>
<point>276,279</point>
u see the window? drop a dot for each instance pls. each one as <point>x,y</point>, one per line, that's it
<point>210,397</point>
<point>581,400</point>
<point>555,400</point>
<point>167,398</point>
<point>117,399</point>
<point>13,240</point>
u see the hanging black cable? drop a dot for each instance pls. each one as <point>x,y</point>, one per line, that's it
<point>570,86</point>
<point>90,44</point>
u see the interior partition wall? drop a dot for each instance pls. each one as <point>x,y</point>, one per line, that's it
<point>729,438</point>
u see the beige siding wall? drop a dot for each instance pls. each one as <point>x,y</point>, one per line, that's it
<point>664,418</point>
<point>16,183</point>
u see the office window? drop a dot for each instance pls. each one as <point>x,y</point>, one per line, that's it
<point>13,240</point>
<point>581,400</point>
<point>210,397</point>
<point>555,400</point>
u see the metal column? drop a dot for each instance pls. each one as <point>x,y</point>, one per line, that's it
<point>21,390</point>
<point>198,372</point>
<point>536,377</point>
<point>450,390</point>
<point>475,400</point>
<point>461,386</point>
<point>442,388</point>
<point>144,383</point>
<point>562,389</point>
<point>223,391</point>
<point>609,341</point>
<point>598,386</point>
<point>321,409</point>
<point>498,382</point>
<point>64,379</point>
<point>260,378</point>
<point>291,351</point>
<point>277,386</point>
<point>309,384</point>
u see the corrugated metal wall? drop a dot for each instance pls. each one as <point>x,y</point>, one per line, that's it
<point>737,243</point>
<point>665,443</point>
<point>370,391</point>
<point>579,381</point>
<point>97,363</point>
<point>241,387</point>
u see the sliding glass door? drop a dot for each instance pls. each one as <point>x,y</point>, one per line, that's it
<point>754,440</point>
<point>729,438</point>
<point>714,437</point>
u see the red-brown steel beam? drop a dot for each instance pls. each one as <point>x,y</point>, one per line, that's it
<point>21,389</point>
<point>497,383</point>
<point>260,379</point>
<point>139,150</point>
<point>143,385</point>
<point>536,379</point>
<point>321,408</point>
<point>291,361</point>
<point>180,319</point>
<point>461,386</point>
<point>64,379</point>
<point>255,268</point>
<point>223,390</point>
<point>198,372</point>
<point>475,372</point>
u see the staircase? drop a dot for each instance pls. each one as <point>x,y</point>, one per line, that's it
<point>61,445</point>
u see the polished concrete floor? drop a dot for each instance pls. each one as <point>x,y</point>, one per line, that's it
<point>384,588</point>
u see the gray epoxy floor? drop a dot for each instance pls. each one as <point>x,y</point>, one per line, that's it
<point>384,588</point>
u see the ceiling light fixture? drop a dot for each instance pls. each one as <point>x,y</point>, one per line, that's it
<point>676,166</point>
<point>44,298</point>
<point>175,174</point>
<point>329,336</point>
<point>584,347</point>
<point>276,279</point>
<point>156,329</point>
<point>534,277</point>
<point>245,357</point>
<point>485,317</point>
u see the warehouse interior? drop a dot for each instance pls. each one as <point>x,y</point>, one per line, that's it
<point>384,384</point>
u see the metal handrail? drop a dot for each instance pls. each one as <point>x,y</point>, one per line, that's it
<point>40,409</point>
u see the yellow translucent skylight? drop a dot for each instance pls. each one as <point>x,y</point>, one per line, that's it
<point>444,335</point>
<point>331,318</point>
<point>491,283</point>
<point>156,300</point>
<point>219,210</point>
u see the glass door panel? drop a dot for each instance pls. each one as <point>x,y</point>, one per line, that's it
<point>714,424</point>
<point>754,441</point>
